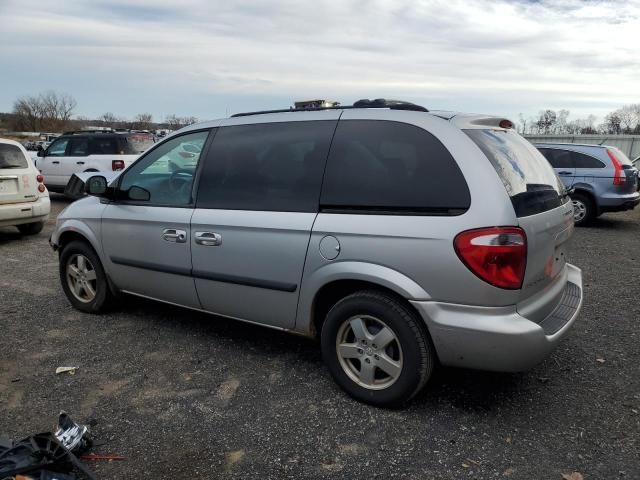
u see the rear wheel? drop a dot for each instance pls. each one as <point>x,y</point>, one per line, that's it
<point>377,349</point>
<point>31,228</point>
<point>583,209</point>
<point>83,279</point>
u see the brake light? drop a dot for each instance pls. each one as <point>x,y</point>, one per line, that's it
<point>507,124</point>
<point>117,165</point>
<point>41,188</point>
<point>618,177</point>
<point>40,178</point>
<point>497,255</point>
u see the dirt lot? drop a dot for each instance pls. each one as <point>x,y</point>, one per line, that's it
<point>186,395</point>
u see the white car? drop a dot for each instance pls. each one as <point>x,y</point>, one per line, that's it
<point>24,199</point>
<point>83,151</point>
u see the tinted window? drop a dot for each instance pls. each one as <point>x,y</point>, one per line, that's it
<point>390,166</point>
<point>527,176</point>
<point>11,157</point>
<point>273,166</point>
<point>137,143</point>
<point>167,172</point>
<point>585,161</point>
<point>558,158</point>
<point>58,148</point>
<point>79,147</point>
<point>104,146</point>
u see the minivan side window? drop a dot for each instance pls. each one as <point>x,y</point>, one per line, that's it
<point>266,166</point>
<point>386,166</point>
<point>167,172</point>
<point>585,161</point>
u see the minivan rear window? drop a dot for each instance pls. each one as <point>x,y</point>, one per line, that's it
<point>11,157</point>
<point>527,176</point>
<point>385,167</point>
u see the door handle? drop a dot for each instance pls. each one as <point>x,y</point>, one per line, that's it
<point>55,162</point>
<point>80,163</point>
<point>208,239</point>
<point>564,173</point>
<point>173,235</point>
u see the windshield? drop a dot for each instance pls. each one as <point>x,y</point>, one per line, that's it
<point>11,157</point>
<point>527,176</point>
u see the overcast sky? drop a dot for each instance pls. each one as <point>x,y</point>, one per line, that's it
<point>207,58</point>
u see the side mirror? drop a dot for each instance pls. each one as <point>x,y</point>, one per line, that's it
<point>139,194</point>
<point>40,152</point>
<point>96,186</point>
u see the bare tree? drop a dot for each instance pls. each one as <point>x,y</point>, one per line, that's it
<point>612,124</point>
<point>143,121</point>
<point>109,118</point>
<point>47,111</point>
<point>175,123</point>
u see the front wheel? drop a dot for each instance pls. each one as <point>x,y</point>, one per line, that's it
<point>31,228</point>
<point>83,279</point>
<point>377,349</point>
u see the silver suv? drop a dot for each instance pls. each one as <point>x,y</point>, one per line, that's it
<point>401,238</point>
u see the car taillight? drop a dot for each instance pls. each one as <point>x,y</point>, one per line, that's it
<point>41,188</point>
<point>117,165</point>
<point>498,255</point>
<point>619,176</point>
<point>40,178</point>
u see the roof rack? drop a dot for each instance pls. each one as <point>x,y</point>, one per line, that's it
<point>79,132</point>
<point>364,103</point>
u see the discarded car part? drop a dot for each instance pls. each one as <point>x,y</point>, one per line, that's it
<point>38,453</point>
<point>72,435</point>
<point>69,370</point>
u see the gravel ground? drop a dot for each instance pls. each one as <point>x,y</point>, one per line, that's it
<point>186,395</point>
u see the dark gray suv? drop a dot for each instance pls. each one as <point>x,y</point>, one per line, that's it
<point>602,178</point>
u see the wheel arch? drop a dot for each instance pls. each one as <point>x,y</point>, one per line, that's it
<point>335,281</point>
<point>587,190</point>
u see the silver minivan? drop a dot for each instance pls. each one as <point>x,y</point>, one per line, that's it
<point>402,238</point>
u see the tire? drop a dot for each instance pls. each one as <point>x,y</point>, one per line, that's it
<point>31,228</point>
<point>96,296</point>
<point>409,355</point>
<point>584,210</point>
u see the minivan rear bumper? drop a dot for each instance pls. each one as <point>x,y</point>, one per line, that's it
<point>499,338</point>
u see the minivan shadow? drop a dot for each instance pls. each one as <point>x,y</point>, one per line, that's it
<point>469,390</point>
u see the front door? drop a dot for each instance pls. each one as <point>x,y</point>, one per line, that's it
<point>257,201</point>
<point>145,235</point>
<point>51,164</point>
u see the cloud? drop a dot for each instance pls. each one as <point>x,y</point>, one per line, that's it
<point>201,57</point>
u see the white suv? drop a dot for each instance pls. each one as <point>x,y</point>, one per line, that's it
<point>87,151</point>
<point>24,200</point>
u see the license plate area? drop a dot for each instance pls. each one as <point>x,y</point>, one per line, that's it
<point>8,186</point>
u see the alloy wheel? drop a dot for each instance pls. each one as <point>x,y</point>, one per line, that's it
<point>369,352</point>
<point>81,278</point>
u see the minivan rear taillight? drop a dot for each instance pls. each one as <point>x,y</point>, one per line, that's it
<point>498,255</point>
<point>117,165</point>
<point>619,176</point>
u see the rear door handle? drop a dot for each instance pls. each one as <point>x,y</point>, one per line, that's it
<point>564,173</point>
<point>208,239</point>
<point>80,163</point>
<point>55,162</point>
<point>174,235</point>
